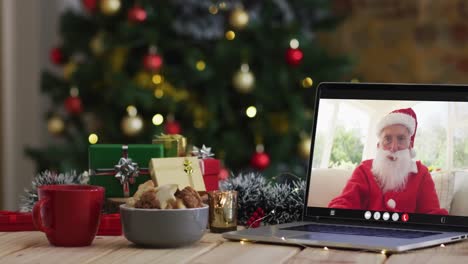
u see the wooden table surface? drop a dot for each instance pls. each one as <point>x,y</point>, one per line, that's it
<point>33,247</point>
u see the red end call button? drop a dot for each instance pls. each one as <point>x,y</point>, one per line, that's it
<point>405,217</point>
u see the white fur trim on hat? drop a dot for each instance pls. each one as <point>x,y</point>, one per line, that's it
<point>397,119</point>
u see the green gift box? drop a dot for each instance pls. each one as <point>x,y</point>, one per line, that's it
<point>103,159</point>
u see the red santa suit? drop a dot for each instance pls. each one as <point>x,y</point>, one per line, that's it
<point>363,192</point>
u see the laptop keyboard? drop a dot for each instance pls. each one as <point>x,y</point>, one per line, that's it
<point>361,231</point>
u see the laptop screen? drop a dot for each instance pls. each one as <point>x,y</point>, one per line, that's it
<point>390,153</point>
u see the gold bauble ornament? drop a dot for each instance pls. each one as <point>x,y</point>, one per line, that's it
<point>239,18</point>
<point>143,79</point>
<point>244,80</point>
<point>279,123</point>
<point>55,125</point>
<point>68,70</point>
<point>304,147</point>
<point>118,58</point>
<point>110,7</point>
<point>200,117</point>
<point>131,125</point>
<point>96,44</point>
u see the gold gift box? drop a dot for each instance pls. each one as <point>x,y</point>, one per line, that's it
<point>184,171</point>
<point>174,145</point>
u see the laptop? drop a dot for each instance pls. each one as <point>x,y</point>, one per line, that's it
<point>345,123</point>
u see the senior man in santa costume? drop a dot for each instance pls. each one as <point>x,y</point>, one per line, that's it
<point>392,181</point>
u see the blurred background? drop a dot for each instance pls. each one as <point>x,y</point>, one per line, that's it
<point>237,76</point>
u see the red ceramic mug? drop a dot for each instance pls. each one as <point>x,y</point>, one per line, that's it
<point>69,215</point>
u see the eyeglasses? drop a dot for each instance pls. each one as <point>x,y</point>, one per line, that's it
<point>402,141</point>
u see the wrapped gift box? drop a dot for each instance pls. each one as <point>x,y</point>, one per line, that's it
<point>210,169</point>
<point>16,221</point>
<point>184,171</point>
<point>174,145</point>
<point>110,225</point>
<point>104,157</point>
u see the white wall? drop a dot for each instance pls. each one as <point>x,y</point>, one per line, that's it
<point>29,29</point>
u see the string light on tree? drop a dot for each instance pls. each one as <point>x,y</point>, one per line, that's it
<point>294,55</point>
<point>157,119</point>
<point>56,56</point>
<point>110,7</point>
<point>213,9</point>
<point>152,61</point>
<point>137,14</point>
<point>73,103</point>
<point>303,147</point>
<point>96,44</point>
<point>230,35</point>
<point>131,124</point>
<point>93,139</point>
<point>200,65</point>
<point>55,125</point>
<point>157,79</point>
<point>222,5</point>
<point>158,92</point>
<point>244,80</point>
<point>251,111</point>
<point>307,82</point>
<point>260,160</point>
<point>239,18</point>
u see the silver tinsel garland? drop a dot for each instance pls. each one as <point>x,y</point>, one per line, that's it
<point>281,202</point>
<point>29,198</point>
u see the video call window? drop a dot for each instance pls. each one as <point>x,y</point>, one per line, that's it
<point>346,135</point>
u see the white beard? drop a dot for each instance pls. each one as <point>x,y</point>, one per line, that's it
<point>392,175</point>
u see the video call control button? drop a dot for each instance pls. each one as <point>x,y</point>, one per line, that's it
<point>377,215</point>
<point>386,216</point>
<point>405,217</point>
<point>367,215</point>
<point>395,216</point>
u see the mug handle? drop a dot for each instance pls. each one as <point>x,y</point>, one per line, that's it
<point>37,217</point>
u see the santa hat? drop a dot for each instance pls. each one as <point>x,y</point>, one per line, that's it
<point>405,117</point>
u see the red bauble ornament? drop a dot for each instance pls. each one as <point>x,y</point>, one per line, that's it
<point>260,160</point>
<point>90,5</point>
<point>294,56</point>
<point>255,219</point>
<point>223,174</point>
<point>73,105</point>
<point>56,56</point>
<point>172,127</point>
<point>136,14</point>
<point>152,62</point>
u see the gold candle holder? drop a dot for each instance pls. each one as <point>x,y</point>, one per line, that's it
<point>223,211</point>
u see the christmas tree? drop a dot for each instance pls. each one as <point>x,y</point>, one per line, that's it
<point>237,76</point>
